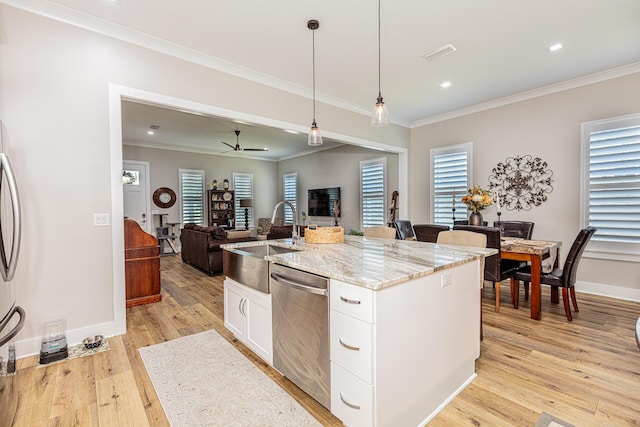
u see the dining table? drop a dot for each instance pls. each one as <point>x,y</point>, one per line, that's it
<point>534,252</point>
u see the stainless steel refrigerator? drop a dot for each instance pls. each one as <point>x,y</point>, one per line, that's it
<point>12,316</point>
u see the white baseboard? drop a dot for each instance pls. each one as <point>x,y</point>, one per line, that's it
<point>31,346</point>
<point>611,291</point>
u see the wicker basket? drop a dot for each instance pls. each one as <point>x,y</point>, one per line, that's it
<point>324,235</point>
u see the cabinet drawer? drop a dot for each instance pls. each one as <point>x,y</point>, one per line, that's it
<point>351,398</point>
<point>352,300</point>
<point>352,345</point>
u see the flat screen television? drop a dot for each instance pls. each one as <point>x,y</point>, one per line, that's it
<point>320,201</point>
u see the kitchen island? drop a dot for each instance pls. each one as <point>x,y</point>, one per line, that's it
<point>404,323</point>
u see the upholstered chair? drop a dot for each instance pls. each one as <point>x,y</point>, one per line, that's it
<point>466,222</point>
<point>521,229</point>
<point>494,270</point>
<point>428,232</point>
<point>564,277</point>
<point>404,230</point>
<point>380,231</point>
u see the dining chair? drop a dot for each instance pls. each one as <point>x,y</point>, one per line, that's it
<point>466,222</point>
<point>521,229</point>
<point>380,231</point>
<point>564,278</point>
<point>494,270</point>
<point>466,238</point>
<point>428,232</point>
<point>404,229</point>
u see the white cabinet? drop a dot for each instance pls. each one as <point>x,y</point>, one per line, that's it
<point>352,356</point>
<point>247,314</point>
<point>399,353</point>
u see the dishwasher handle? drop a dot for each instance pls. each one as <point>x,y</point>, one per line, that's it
<point>300,286</point>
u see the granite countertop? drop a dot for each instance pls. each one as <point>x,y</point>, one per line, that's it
<point>372,263</point>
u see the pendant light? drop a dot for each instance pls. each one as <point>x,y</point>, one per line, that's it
<point>380,116</point>
<point>315,138</point>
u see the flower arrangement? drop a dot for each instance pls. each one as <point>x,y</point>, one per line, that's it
<point>477,199</point>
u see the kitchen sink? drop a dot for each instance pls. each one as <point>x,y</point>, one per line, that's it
<point>246,264</point>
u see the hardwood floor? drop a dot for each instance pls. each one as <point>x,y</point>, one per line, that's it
<point>586,372</point>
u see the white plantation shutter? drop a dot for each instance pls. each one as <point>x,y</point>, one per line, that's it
<point>611,174</point>
<point>192,196</point>
<point>290,183</point>
<point>372,190</point>
<point>450,177</point>
<point>243,187</point>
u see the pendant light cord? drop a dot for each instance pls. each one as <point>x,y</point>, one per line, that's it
<point>379,52</point>
<point>313,62</point>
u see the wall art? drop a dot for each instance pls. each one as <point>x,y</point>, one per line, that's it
<point>521,182</point>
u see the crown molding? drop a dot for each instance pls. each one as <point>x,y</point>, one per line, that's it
<point>530,94</point>
<point>101,26</point>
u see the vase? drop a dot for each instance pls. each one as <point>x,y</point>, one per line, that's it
<point>475,218</point>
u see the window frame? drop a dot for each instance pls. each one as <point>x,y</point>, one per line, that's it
<point>460,190</point>
<point>203,213</point>
<point>363,163</point>
<point>240,211</point>
<point>602,249</point>
<point>294,202</point>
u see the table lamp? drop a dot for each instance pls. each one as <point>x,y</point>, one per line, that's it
<point>246,204</point>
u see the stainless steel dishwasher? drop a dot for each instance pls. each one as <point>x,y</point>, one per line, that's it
<point>300,313</point>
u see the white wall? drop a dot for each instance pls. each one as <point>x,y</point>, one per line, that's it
<point>55,107</point>
<point>547,127</point>
<point>339,167</point>
<point>164,165</point>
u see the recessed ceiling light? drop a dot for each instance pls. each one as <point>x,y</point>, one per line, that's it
<point>445,85</point>
<point>295,132</point>
<point>555,47</point>
<point>150,132</point>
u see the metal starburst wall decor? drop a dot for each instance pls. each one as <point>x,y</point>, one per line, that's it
<point>521,182</point>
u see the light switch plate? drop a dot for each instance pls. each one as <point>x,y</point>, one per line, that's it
<point>100,219</point>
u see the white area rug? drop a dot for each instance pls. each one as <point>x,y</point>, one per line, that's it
<point>547,420</point>
<point>202,380</point>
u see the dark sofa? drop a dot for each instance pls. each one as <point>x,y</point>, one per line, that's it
<point>201,246</point>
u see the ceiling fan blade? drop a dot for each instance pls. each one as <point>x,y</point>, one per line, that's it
<point>255,149</point>
<point>235,148</point>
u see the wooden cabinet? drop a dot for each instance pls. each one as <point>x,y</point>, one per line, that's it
<point>247,314</point>
<point>221,206</point>
<point>141,265</point>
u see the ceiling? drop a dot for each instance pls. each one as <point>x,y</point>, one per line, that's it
<point>183,131</point>
<point>501,47</point>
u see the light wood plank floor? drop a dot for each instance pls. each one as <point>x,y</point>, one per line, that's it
<point>586,371</point>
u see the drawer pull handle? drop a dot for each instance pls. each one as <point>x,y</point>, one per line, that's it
<point>349,404</point>
<point>350,347</point>
<point>349,301</point>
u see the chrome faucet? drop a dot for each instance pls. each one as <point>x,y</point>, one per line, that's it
<point>294,231</point>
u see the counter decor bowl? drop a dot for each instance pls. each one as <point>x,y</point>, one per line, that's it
<point>324,235</point>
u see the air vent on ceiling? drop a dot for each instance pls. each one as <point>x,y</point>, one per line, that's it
<point>437,53</point>
<point>154,127</point>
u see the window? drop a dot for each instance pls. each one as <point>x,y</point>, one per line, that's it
<point>372,191</point>
<point>451,174</point>
<point>243,186</point>
<point>290,183</point>
<point>192,196</point>
<point>610,193</point>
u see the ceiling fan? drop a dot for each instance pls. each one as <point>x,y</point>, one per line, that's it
<point>238,148</point>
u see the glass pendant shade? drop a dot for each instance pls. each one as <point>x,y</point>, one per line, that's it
<point>380,116</point>
<point>315,138</point>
